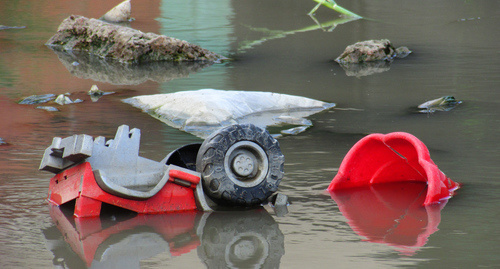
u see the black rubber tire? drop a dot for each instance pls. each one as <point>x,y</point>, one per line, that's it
<point>226,187</point>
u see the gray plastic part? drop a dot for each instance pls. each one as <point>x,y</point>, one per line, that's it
<point>111,184</point>
<point>119,162</point>
<point>203,202</point>
<point>117,166</point>
<point>63,153</point>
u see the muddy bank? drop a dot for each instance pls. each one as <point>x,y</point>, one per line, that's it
<point>127,45</point>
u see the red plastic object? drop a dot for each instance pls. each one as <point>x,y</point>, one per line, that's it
<point>390,214</point>
<point>394,157</point>
<point>79,183</point>
<point>87,235</point>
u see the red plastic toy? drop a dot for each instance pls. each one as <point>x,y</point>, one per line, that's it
<point>241,165</point>
<point>394,157</point>
<point>79,183</point>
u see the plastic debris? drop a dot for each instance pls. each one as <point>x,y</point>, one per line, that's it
<point>202,112</point>
<point>444,103</point>
<point>95,171</point>
<point>395,157</point>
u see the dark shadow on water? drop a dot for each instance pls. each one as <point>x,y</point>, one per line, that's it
<point>250,238</point>
<point>87,66</point>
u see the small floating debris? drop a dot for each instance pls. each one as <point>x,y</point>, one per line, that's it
<point>279,203</point>
<point>37,99</point>
<point>295,130</point>
<point>3,27</point>
<point>95,93</point>
<point>48,108</point>
<point>2,142</point>
<point>402,52</point>
<point>120,13</point>
<point>63,99</point>
<point>470,19</point>
<point>445,103</point>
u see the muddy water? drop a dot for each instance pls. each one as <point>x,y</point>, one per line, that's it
<point>275,47</point>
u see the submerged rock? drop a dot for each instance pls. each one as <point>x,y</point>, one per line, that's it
<point>204,111</point>
<point>106,40</point>
<point>95,93</point>
<point>444,103</point>
<point>61,99</point>
<point>370,51</point>
<point>37,99</point>
<point>120,13</point>
<point>47,108</point>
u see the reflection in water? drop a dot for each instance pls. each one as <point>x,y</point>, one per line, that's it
<point>224,239</point>
<point>84,65</point>
<point>208,24</point>
<point>250,239</point>
<point>391,214</point>
<point>365,68</point>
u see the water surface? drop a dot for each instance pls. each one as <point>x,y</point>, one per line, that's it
<point>275,47</point>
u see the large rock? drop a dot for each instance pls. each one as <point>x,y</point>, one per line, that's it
<point>204,111</point>
<point>78,33</point>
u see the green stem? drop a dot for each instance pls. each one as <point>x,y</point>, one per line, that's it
<point>273,34</point>
<point>331,4</point>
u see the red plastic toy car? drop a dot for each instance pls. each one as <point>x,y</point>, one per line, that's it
<point>239,165</point>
